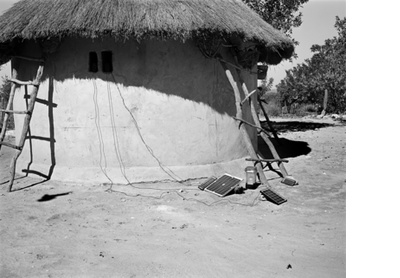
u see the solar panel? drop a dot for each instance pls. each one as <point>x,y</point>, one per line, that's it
<point>207,183</point>
<point>223,185</point>
<point>273,197</point>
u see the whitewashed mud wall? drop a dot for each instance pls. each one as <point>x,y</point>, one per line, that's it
<point>182,104</point>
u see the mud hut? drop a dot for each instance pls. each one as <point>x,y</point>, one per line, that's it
<point>134,90</point>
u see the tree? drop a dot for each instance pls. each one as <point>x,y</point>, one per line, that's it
<point>5,90</point>
<point>324,71</point>
<point>283,15</point>
<point>5,87</point>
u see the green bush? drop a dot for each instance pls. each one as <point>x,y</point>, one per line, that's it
<point>273,104</point>
<point>274,111</point>
<point>5,89</point>
<point>310,108</point>
<point>304,110</point>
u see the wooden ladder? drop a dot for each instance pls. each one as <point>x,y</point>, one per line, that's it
<point>28,113</point>
<point>287,179</point>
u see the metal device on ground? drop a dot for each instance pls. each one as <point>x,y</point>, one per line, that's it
<point>289,180</point>
<point>251,173</point>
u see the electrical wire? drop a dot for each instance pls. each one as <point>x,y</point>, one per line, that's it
<point>255,201</point>
<point>168,171</point>
<point>99,133</point>
<point>115,134</point>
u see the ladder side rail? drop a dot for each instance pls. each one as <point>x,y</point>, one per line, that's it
<point>25,127</point>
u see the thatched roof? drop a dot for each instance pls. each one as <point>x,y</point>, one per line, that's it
<point>123,19</point>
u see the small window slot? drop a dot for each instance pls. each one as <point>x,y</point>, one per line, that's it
<point>93,62</point>
<point>106,57</point>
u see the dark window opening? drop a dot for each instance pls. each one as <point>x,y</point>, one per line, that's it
<point>106,57</point>
<point>93,62</point>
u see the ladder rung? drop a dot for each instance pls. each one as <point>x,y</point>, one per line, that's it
<point>19,82</point>
<point>248,96</point>
<point>42,101</point>
<point>28,171</point>
<point>267,160</point>
<point>29,59</point>
<point>13,111</point>
<point>11,145</point>
<point>41,138</point>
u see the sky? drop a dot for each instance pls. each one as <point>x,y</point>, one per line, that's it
<point>318,25</point>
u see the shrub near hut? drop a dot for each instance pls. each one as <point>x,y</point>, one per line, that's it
<point>273,103</point>
<point>5,89</point>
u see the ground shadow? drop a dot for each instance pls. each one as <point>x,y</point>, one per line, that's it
<point>28,186</point>
<point>49,197</point>
<point>286,148</point>
<point>291,126</point>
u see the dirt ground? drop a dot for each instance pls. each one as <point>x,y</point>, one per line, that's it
<point>53,229</point>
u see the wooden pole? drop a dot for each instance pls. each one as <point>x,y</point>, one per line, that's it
<point>325,103</point>
<point>267,160</point>
<point>239,114</point>
<point>326,99</point>
<point>250,124</point>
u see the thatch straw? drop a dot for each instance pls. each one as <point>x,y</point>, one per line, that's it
<point>123,19</point>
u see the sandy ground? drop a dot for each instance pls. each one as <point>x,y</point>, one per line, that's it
<point>53,229</point>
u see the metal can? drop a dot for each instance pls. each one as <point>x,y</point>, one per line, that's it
<point>250,176</point>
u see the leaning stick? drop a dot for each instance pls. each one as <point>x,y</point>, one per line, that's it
<point>248,97</point>
<point>258,124</point>
<point>260,102</point>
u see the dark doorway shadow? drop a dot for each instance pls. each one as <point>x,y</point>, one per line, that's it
<point>286,148</point>
<point>291,126</point>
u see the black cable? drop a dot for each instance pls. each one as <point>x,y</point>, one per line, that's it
<point>170,173</point>
<point>115,134</point>
<point>252,204</point>
<point>99,133</point>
